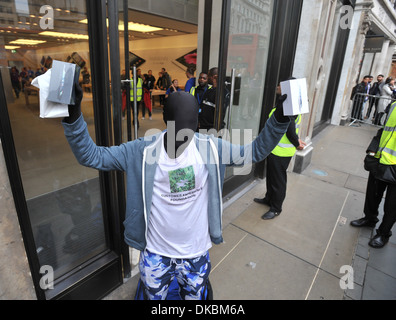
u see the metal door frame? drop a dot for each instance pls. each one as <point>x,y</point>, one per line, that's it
<point>103,273</point>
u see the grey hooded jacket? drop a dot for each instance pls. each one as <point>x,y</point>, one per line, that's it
<point>138,159</point>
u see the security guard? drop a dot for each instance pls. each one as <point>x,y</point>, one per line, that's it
<point>139,94</point>
<point>199,91</point>
<point>277,163</point>
<point>383,179</point>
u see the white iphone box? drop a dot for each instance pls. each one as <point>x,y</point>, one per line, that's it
<point>297,97</point>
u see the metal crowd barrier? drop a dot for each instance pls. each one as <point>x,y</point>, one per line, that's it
<point>364,109</point>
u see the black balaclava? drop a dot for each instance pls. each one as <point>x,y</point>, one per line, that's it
<point>180,113</point>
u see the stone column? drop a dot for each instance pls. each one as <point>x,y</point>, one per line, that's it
<point>380,61</point>
<point>388,60</point>
<point>353,55</point>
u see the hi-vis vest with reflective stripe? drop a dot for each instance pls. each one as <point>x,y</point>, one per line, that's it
<point>285,148</point>
<point>139,89</point>
<point>387,147</point>
<point>192,90</point>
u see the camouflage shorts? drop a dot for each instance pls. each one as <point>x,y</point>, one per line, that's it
<point>157,273</point>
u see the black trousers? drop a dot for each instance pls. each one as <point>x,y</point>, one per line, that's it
<point>374,194</point>
<point>276,181</point>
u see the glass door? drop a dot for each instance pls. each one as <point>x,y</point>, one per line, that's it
<point>67,205</point>
<point>248,32</point>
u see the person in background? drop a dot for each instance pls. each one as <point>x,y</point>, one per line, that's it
<point>375,91</point>
<point>150,80</point>
<point>199,91</point>
<point>173,88</point>
<point>15,81</point>
<point>24,75</point>
<point>386,99</point>
<point>358,98</point>
<point>191,79</point>
<point>160,85</point>
<point>146,97</point>
<point>208,105</point>
<point>167,81</point>
<point>139,97</point>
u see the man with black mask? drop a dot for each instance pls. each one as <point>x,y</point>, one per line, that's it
<point>174,190</point>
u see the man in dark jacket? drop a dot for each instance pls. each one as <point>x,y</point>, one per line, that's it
<point>382,178</point>
<point>167,80</point>
<point>358,98</point>
<point>208,104</point>
<point>375,91</point>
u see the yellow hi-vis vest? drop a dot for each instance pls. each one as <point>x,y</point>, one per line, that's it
<point>285,148</point>
<point>192,90</point>
<point>139,89</point>
<point>387,146</point>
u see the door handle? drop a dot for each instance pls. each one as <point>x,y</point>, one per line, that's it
<point>231,96</point>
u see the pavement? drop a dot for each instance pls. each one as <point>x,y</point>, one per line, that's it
<point>310,251</point>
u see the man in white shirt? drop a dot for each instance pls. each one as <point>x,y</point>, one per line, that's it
<point>174,190</point>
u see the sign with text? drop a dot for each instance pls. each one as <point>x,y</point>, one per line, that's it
<point>373,44</point>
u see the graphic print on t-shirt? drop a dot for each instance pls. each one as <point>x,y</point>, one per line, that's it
<point>182,180</point>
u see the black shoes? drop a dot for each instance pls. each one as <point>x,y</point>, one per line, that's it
<point>363,222</point>
<point>270,215</point>
<point>379,240</point>
<point>262,201</point>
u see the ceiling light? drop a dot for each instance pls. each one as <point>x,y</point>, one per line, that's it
<point>27,42</point>
<point>132,26</point>
<point>11,47</point>
<point>64,35</point>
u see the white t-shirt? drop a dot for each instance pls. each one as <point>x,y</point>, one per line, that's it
<point>178,225</point>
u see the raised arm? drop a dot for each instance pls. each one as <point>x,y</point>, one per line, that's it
<point>262,146</point>
<point>85,150</point>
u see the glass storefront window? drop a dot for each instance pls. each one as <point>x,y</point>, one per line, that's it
<point>63,198</point>
<point>249,39</point>
<point>250,29</point>
<point>156,41</point>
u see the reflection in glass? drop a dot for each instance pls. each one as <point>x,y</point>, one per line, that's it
<point>250,29</point>
<point>63,197</point>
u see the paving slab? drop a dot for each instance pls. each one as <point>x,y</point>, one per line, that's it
<point>305,226</point>
<point>378,286</point>
<point>325,287</point>
<point>384,259</point>
<point>257,270</point>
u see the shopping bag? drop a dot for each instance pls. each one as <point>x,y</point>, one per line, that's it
<point>49,109</point>
<point>147,99</point>
<point>124,98</point>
